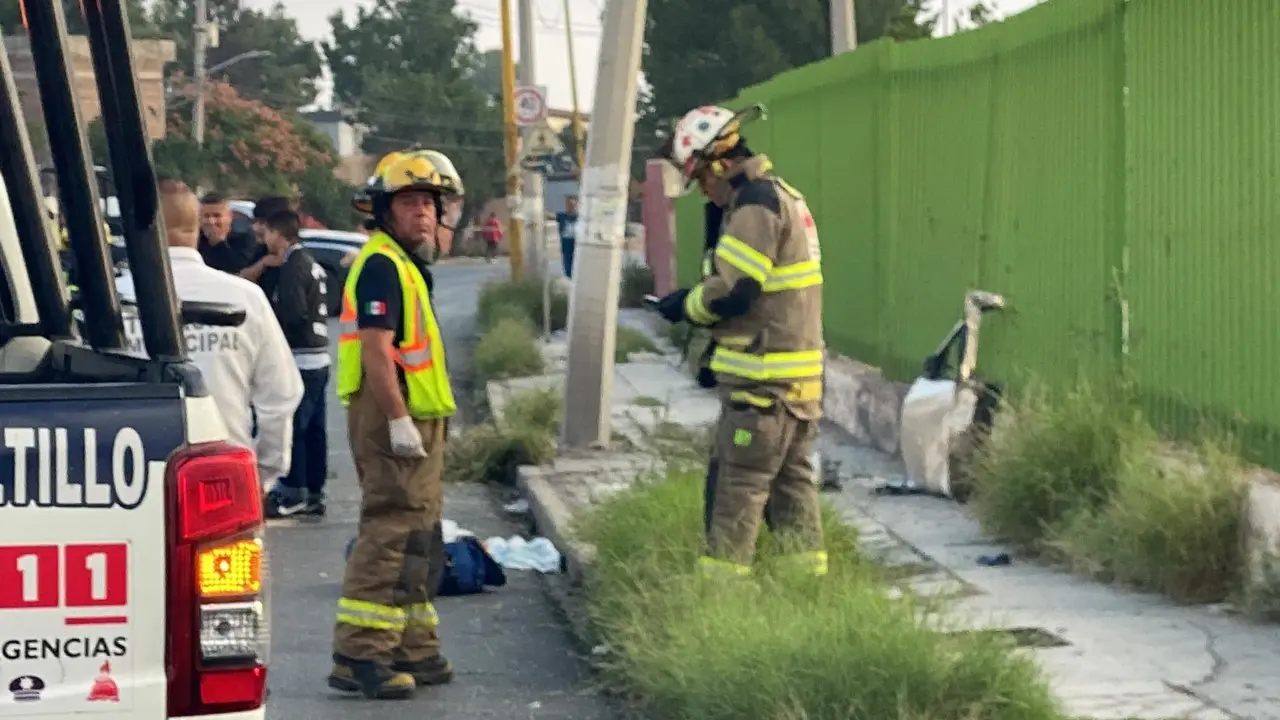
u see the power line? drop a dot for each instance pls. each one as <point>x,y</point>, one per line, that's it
<point>490,17</point>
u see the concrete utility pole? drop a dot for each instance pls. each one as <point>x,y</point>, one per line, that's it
<point>515,241</point>
<point>532,206</point>
<point>202,37</point>
<point>844,27</point>
<point>605,190</point>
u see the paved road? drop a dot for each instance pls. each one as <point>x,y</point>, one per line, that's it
<point>513,656</point>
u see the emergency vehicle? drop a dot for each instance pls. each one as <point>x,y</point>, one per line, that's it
<point>132,567</point>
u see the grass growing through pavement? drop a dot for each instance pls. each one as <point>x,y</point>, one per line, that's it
<point>508,349</point>
<point>1052,456</point>
<point>488,453</point>
<point>1082,478</point>
<point>779,645</point>
<point>637,281</point>
<point>536,409</point>
<point>520,298</point>
<point>630,341</point>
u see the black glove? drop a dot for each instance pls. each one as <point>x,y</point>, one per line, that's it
<point>706,378</point>
<point>671,306</point>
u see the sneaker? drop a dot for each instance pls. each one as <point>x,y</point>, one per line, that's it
<point>373,680</point>
<point>435,670</point>
<point>315,507</point>
<point>281,505</point>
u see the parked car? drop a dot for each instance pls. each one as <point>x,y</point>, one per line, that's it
<point>241,216</point>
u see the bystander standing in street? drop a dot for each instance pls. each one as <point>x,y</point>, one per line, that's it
<point>567,223</point>
<point>298,299</point>
<point>222,248</point>
<point>263,267</point>
<point>492,236</point>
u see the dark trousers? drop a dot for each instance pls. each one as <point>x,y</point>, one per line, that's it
<point>310,464</point>
<point>566,255</point>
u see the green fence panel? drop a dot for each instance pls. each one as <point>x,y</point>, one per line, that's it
<point>1054,193</point>
<point>1111,166</point>
<point>1204,185</point>
<point>689,231</point>
<point>939,111</point>
<point>846,202</point>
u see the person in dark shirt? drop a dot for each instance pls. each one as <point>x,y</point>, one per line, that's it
<point>299,300</point>
<point>222,249</point>
<point>567,223</point>
<point>262,269</point>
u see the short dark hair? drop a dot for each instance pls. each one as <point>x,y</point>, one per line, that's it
<point>270,205</point>
<point>284,222</point>
<point>213,198</point>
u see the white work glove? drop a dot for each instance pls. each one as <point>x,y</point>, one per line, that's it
<point>406,441</point>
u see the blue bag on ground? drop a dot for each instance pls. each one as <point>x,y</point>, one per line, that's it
<point>468,568</point>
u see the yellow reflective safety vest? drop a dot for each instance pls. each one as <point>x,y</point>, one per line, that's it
<point>419,355</point>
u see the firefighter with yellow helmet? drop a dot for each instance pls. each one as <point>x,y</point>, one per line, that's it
<point>763,305</point>
<point>392,379</point>
<point>454,192</point>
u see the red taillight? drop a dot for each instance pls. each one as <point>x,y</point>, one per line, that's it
<point>218,492</point>
<point>217,602</point>
<point>233,687</point>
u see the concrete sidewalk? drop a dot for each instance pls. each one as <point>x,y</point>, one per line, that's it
<point>1115,654</point>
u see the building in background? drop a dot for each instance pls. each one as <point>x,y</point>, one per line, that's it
<point>149,60</point>
<point>347,137</point>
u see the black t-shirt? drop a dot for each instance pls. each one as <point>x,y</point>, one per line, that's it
<point>237,252</point>
<point>379,297</point>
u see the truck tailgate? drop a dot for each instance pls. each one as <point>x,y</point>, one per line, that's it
<point>82,548</point>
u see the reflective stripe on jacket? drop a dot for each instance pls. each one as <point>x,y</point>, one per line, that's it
<point>768,236</point>
<point>419,355</point>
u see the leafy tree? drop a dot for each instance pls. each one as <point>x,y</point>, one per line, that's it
<point>284,80</point>
<point>250,148</point>
<point>487,73</point>
<point>407,69</point>
<point>327,198</point>
<point>707,51</point>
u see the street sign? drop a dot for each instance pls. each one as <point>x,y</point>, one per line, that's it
<point>531,105</point>
<point>541,141</point>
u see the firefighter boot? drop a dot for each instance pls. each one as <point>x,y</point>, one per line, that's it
<point>435,670</point>
<point>374,680</point>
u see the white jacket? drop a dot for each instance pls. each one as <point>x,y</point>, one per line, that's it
<point>241,365</point>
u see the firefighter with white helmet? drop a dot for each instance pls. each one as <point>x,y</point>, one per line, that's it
<point>391,377</point>
<point>763,305</point>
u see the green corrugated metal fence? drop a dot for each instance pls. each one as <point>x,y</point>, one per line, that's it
<point>1111,167</point>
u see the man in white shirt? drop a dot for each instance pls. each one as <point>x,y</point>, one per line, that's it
<point>241,365</point>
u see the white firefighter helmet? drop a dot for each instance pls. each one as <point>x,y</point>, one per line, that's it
<point>453,181</point>
<point>704,135</point>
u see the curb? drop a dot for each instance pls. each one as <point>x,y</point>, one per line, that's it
<point>553,520</point>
